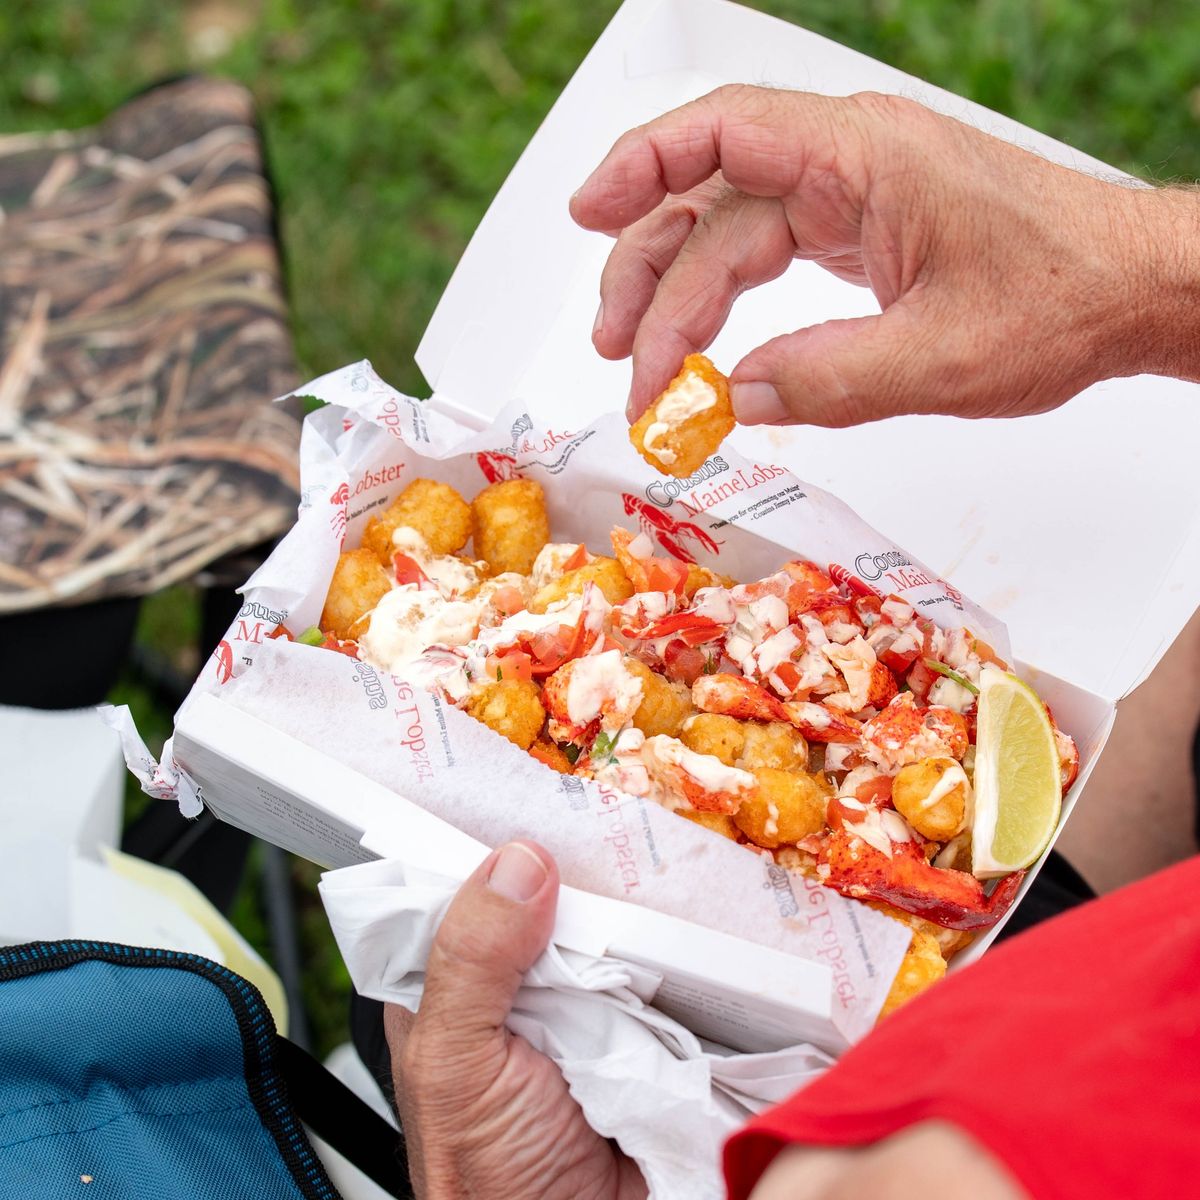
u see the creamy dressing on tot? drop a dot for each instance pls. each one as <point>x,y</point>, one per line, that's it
<point>548,565</point>
<point>601,686</point>
<point>452,576</point>
<point>691,395</point>
<point>408,621</point>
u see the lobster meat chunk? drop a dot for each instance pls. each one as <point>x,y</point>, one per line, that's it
<point>952,899</point>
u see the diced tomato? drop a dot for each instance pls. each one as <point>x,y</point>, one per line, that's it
<point>511,664</point>
<point>508,600</point>
<point>921,679</point>
<point>987,654</point>
<point>281,631</point>
<point>876,792</point>
<point>788,675</point>
<point>838,814</point>
<point>683,663</point>
<point>550,648</point>
<point>579,558</point>
<point>665,575</point>
<point>899,663</point>
<point>408,570</point>
<point>348,648</point>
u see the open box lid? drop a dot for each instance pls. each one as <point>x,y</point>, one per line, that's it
<point>1079,528</point>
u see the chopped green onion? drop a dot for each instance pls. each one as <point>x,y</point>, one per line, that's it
<point>312,636</point>
<point>710,664</point>
<point>603,744</point>
<point>499,674</point>
<point>961,680</point>
<point>571,751</point>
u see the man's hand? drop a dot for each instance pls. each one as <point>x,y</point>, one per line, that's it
<point>483,1113</point>
<point>1007,283</point>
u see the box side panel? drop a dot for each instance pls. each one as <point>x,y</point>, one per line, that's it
<point>1089,719</point>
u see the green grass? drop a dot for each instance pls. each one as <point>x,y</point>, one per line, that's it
<point>390,123</point>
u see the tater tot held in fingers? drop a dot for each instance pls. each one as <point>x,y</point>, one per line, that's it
<point>686,424</point>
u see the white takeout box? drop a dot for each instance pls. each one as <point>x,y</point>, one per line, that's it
<point>1078,528</point>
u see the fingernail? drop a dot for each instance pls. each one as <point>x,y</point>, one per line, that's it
<point>518,873</point>
<point>598,323</point>
<point>756,404</point>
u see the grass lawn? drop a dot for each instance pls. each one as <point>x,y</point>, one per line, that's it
<point>389,124</point>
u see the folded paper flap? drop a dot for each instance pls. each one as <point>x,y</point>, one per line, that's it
<point>995,506</point>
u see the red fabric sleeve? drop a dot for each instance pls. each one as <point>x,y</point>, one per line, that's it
<point>1071,1052</point>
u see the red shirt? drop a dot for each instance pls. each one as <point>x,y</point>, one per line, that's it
<point>1071,1052</point>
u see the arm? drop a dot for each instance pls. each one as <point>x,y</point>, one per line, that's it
<point>930,1161</point>
<point>1007,283</point>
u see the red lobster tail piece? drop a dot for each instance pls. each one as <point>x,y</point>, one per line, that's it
<point>952,899</point>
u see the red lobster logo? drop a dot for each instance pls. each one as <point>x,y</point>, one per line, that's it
<point>341,495</point>
<point>859,587</point>
<point>224,656</point>
<point>666,531</point>
<point>497,466</point>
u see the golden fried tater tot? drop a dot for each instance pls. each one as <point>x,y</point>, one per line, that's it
<point>710,733</point>
<point>931,795</point>
<point>687,422</point>
<point>950,941</point>
<point>717,822</point>
<point>605,573</point>
<point>512,707</point>
<point>435,510</point>
<point>698,577</point>
<point>510,524</point>
<point>358,584</point>
<point>665,705</point>
<point>546,752</point>
<point>921,967</point>
<point>785,807</point>
<point>773,744</point>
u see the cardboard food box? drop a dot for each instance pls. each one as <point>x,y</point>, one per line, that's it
<point>1077,528</point>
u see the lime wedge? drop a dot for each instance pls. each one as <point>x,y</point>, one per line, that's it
<point>1018,790</point>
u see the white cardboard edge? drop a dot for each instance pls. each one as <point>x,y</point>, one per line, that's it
<point>749,997</point>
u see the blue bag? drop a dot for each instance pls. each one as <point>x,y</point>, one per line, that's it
<point>129,1073</point>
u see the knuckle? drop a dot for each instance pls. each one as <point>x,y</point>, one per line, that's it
<point>888,106</point>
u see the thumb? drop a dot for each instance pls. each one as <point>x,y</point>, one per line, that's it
<point>492,933</point>
<point>840,373</point>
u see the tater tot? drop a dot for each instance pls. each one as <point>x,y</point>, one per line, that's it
<point>687,422</point>
<point>710,733</point>
<point>717,822</point>
<point>358,584</point>
<point>435,510</point>
<point>773,744</point>
<point>512,707</point>
<point>931,795</point>
<point>921,967</point>
<point>605,573</point>
<point>950,941</point>
<point>665,705</point>
<point>785,807</point>
<point>546,752</point>
<point>698,577</point>
<point>510,524</point>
